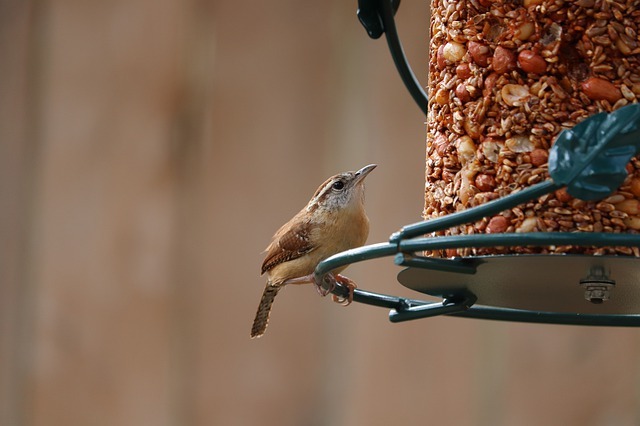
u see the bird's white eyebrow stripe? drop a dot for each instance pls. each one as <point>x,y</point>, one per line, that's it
<point>314,201</point>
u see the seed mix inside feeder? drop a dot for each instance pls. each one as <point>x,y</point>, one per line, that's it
<point>505,78</point>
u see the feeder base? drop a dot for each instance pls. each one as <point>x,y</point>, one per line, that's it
<point>572,284</point>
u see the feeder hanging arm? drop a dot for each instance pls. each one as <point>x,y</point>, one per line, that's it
<point>377,17</point>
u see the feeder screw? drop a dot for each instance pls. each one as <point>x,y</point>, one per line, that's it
<point>597,285</point>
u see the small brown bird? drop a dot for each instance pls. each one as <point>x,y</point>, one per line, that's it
<point>334,220</point>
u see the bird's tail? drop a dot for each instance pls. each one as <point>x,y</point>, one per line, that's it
<point>264,308</point>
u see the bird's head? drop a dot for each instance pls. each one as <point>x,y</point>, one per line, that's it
<point>341,191</point>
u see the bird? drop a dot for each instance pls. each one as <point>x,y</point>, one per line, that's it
<point>334,220</point>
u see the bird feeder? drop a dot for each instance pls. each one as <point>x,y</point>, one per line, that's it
<point>532,189</point>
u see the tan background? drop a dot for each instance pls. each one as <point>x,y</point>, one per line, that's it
<point>149,149</point>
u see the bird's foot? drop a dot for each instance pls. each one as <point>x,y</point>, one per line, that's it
<point>329,279</point>
<point>347,282</point>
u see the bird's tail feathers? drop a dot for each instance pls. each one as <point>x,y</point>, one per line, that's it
<point>264,309</point>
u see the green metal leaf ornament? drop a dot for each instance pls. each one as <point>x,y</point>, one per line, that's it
<point>591,158</point>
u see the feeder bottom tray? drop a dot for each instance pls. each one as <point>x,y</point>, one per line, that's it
<point>576,284</point>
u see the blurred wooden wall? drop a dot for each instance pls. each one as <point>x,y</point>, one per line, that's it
<point>148,150</point>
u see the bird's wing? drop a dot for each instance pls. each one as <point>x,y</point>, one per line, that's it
<point>290,242</point>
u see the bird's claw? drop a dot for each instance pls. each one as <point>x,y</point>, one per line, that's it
<point>351,286</point>
<point>330,279</point>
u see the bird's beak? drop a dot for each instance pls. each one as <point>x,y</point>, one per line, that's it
<point>363,172</point>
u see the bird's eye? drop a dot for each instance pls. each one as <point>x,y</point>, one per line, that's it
<point>338,185</point>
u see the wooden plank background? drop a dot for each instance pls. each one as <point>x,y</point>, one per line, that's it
<point>149,149</point>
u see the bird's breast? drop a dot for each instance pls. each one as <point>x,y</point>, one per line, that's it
<point>343,231</point>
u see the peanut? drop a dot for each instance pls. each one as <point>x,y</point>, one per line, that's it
<point>524,31</point>
<point>466,149</point>
<point>485,182</point>
<point>539,157</point>
<point>497,224</point>
<point>532,62</point>
<point>490,83</point>
<point>453,51</point>
<point>462,93</point>
<point>491,150</point>
<point>503,60</point>
<point>442,97</point>
<point>463,71</point>
<point>479,52</point>
<point>598,89</point>
<point>519,143</point>
<point>562,195</point>
<point>514,94</point>
<point>528,225</point>
<point>441,144</point>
